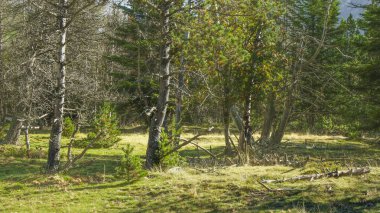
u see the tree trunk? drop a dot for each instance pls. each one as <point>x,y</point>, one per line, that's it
<point>269,117</point>
<point>166,124</point>
<point>181,87</point>
<point>226,119</point>
<point>310,120</point>
<point>14,131</point>
<point>2,79</point>
<point>152,155</point>
<point>27,139</point>
<point>278,134</point>
<point>247,122</point>
<point>237,119</point>
<point>56,131</point>
<point>280,131</point>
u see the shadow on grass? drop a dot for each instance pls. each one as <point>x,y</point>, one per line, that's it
<point>15,170</point>
<point>105,185</point>
<point>346,205</point>
<point>21,170</point>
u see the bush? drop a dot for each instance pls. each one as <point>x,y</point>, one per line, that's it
<point>166,144</point>
<point>97,144</point>
<point>3,131</point>
<point>130,165</point>
<point>106,131</point>
<point>68,127</point>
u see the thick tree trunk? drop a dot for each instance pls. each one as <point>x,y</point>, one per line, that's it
<point>56,131</point>
<point>280,131</point>
<point>278,134</point>
<point>166,124</point>
<point>14,131</point>
<point>152,155</point>
<point>269,117</point>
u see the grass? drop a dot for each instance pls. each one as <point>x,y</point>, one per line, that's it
<point>92,187</point>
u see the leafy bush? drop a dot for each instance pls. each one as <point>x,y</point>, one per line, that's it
<point>68,127</point>
<point>105,133</point>
<point>130,165</point>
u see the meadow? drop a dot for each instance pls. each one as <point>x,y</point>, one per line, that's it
<point>199,185</point>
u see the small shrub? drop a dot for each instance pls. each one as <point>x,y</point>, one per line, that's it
<point>68,127</point>
<point>3,131</point>
<point>166,144</point>
<point>130,165</point>
<point>105,126</point>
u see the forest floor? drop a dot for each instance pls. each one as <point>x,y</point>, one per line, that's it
<point>92,187</point>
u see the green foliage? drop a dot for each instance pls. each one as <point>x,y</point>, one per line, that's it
<point>68,127</point>
<point>130,166</point>
<point>3,131</point>
<point>166,144</point>
<point>369,69</point>
<point>105,130</point>
<point>137,44</point>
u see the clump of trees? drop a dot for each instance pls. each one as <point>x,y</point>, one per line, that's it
<point>256,65</point>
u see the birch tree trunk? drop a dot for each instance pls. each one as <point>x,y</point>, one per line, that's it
<point>247,120</point>
<point>56,131</point>
<point>27,139</point>
<point>152,155</point>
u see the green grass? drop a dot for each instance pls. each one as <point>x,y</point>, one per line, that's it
<point>92,187</point>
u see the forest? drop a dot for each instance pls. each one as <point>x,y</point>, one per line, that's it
<point>189,106</point>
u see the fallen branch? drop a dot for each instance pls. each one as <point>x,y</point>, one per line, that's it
<point>236,149</point>
<point>186,142</point>
<point>70,163</point>
<point>357,171</point>
<point>208,152</point>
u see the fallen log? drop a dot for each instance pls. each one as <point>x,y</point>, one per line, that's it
<point>357,171</point>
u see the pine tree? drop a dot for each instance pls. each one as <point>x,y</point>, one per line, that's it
<point>370,67</point>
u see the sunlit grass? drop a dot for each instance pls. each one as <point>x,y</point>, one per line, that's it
<point>92,187</point>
